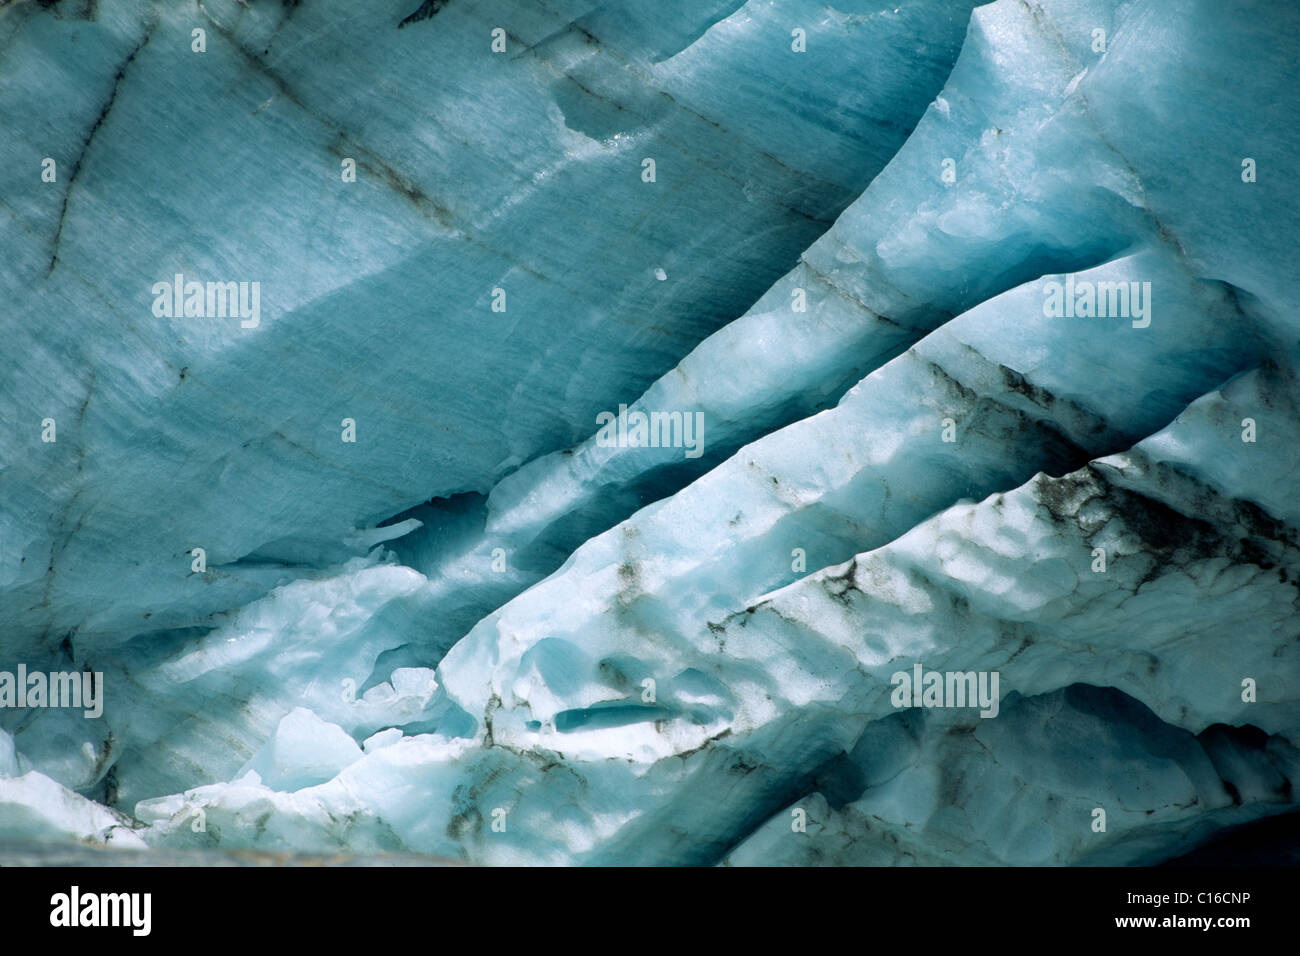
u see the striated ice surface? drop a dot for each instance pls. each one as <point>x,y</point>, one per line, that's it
<point>227,166</point>
<point>483,632</point>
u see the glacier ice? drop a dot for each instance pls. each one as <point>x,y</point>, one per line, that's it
<point>33,808</point>
<point>925,792</point>
<point>206,437</point>
<point>303,752</point>
<point>480,632</point>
